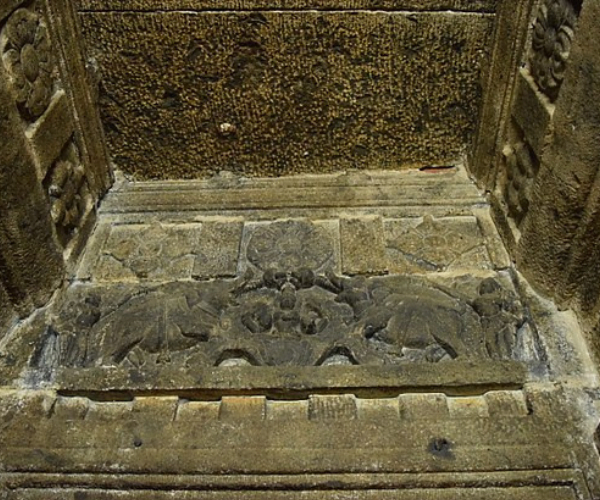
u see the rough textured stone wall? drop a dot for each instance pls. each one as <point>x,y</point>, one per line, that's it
<point>547,187</point>
<point>187,91</point>
<point>53,167</point>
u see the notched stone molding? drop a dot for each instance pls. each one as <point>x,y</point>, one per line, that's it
<point>28,59</point>
<point>553,33</point>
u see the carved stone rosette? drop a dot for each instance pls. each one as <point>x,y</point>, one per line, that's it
<point>27,58</point>
<point>552,37</point>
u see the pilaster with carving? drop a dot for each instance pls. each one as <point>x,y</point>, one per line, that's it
<point>529,127</point>
<point>48,100</point>
<point>551,41</point>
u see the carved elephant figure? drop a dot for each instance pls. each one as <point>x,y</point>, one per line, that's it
<point>411,315</point>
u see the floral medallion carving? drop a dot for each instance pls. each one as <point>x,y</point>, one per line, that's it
<point>290,244</point>
<point>553,33</point>
<point>27,57</point>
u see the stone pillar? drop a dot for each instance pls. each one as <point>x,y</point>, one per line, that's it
<point>559,247</point>
<point>30,261</point>
<point>510,34</point>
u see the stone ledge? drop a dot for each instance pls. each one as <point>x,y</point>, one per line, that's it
<point>513,485</point>
<point>453,378</point>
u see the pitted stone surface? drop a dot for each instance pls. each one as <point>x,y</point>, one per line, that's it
<point>271,93</point>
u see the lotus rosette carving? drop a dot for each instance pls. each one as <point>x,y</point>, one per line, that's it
<point>551,44</point>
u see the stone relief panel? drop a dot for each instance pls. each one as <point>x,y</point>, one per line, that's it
<point>228,247</point>
<point>46,102</point>
<point>292,317</point>
<point>210,249</point>
<point>152,295</point>
<point>537,87</point>
<point>433,245</point>
<point>552,37</point>
<point>154,252</point>
<point>276,245</point>
<point>28,59</point>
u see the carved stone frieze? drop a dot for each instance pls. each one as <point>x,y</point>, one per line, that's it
<point>552,37</point>
<point>287,318</point>
<point>27,57</point>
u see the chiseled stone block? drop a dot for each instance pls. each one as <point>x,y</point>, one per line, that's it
<point>218,249</point>
<point>435,244</point>
<point>243,408</point>
<point>362,245</point>
<point>154,251</point>
<point>332,407</point>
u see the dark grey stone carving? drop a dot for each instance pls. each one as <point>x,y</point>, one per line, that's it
<point>283,318</point>
<point>552,37</point>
